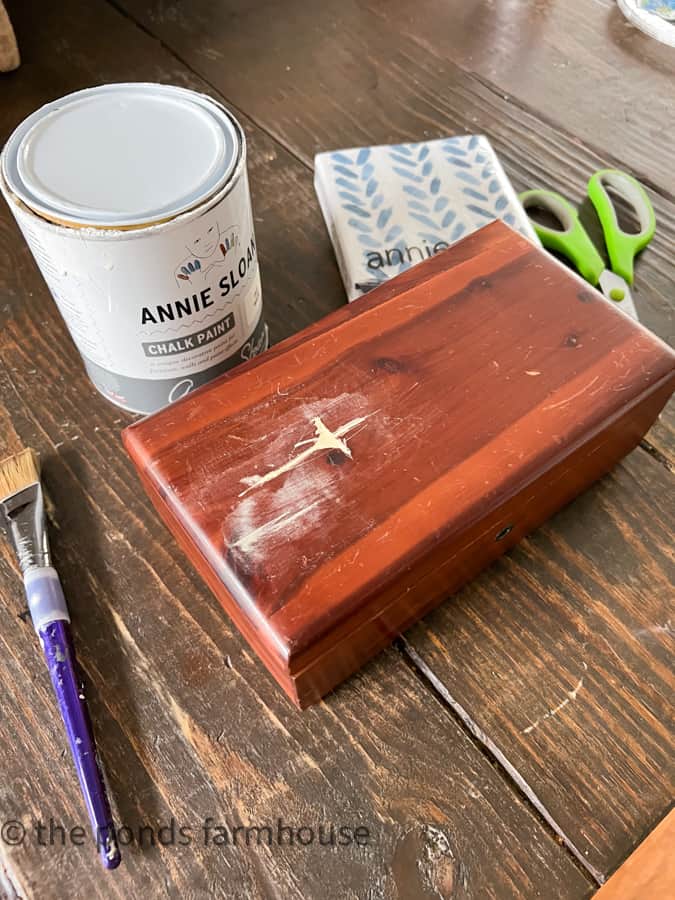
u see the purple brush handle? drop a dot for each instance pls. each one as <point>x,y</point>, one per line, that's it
<point>41,591</point>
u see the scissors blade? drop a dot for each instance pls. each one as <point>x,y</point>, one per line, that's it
<point>614,286</point>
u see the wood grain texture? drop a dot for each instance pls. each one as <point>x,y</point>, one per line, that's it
<point>340,74</point>
<point>189,723</point>
<point>661,439</point>
<point>626,569</point>
<point>190,726</point>
<point>580,66</point>
<point>344,73</point>
<point>583,720</point>
<point>334,490</point>
<point>649,871</point>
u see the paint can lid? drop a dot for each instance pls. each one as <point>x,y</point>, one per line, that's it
<point>121,155</point>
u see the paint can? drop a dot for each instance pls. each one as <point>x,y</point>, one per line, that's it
<point>134,201</point>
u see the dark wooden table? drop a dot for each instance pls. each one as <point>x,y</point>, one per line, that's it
<point>516,743</point>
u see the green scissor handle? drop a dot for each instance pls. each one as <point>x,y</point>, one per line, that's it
<point>571,239</point>
<point>622,247</point>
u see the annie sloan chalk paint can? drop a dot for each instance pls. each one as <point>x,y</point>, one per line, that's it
<point>134,200</point>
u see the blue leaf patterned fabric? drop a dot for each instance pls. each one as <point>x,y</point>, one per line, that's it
<point>392,206</point>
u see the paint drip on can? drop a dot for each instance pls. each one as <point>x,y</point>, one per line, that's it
<point>134,201</point>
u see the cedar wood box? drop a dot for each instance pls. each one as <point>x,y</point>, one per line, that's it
<point>338,487</point>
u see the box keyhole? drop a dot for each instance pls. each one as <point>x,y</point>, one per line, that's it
<point>502,534</point>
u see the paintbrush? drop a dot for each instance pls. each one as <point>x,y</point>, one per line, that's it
<point>22,513</point>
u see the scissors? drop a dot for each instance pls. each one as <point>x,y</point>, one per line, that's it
<point>572,239</point>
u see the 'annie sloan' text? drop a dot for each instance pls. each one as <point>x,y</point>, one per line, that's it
<point>185,307</point>
<point>396,256</point>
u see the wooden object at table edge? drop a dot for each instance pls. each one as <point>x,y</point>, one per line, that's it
<point>9,50</point>
<point>558,435</point>
<point>649,872</point>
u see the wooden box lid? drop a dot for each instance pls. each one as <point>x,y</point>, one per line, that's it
<point>334,488</point>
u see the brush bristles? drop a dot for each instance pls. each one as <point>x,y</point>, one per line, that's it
<point>17,472</point>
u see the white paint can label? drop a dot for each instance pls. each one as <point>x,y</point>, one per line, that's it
<point>157,311</point>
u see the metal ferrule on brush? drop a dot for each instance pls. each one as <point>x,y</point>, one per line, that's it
<point>24,519</point>
<point>23,515</point>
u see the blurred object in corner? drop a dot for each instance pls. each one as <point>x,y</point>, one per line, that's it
<point>650,869</point>
<point>9,52</point>
<point>655,17</point>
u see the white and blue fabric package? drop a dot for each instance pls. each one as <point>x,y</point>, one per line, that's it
<point>389,207</point>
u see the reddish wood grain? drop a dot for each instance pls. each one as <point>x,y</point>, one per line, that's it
<point>473,395</point>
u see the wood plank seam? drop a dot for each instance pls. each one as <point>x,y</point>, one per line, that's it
<point>236,109</point>
<point>480,79</point>
<point>530,110</point>
<point>493,89</point>
<point>508,771</point>
<point>613,161</point>
<point>657,455</point>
